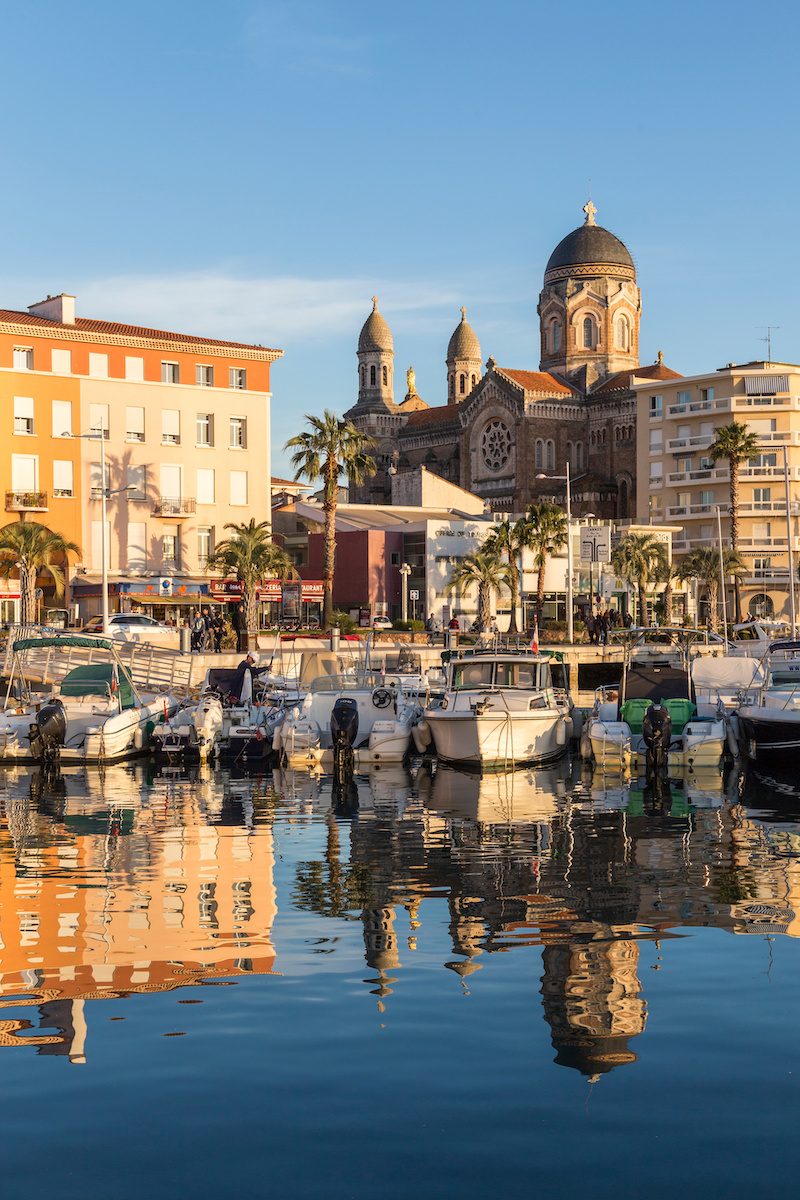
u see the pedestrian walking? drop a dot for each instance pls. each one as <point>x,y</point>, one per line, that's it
<point>198,632</point>
<point>218,631</point>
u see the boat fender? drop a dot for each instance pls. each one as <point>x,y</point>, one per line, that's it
<point>733,745</point>
<point>138,738</point>
<point>577,722</point>
<point>561,733</point>
<point>422,736</point>
<point>586,745</point>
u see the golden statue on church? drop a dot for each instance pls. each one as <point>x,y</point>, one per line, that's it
<point>411,383</point>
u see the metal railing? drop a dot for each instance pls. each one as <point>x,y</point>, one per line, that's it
<point>174,506</point>
<point>26,501</point>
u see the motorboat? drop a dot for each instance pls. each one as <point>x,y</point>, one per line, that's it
<point>95,713</point>
<point>768,724</point>
<point>386,715</point>
<point>619,732</point>
<point>499,709</point>
<point>195,730</point>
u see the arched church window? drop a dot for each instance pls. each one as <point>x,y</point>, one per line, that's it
<point>588,333</point>
<point>623,499</point>
<point>622,334</point>
<point>550,455</point>
<point>578,456</point>
<point>451,383</point>
<point>372,379</point>
<point>569,454</point>
<point>591,439</point>
<point>462,384</point>
<point>363,377</point>
<point>539,455</point>
<point>474,381</point>
<point>385,376</point>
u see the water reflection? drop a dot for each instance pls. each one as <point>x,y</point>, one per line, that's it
<point>132,881</point>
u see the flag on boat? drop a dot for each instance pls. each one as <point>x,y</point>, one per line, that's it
<point>535,638</point>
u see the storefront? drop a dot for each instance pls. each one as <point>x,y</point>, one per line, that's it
<point>169,600</point>
<point>9,602</point>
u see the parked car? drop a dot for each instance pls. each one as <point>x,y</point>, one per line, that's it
<point>134,627</point>
<point>381,623</point>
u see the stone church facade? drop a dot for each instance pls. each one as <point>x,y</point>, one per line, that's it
<point>502,429</point>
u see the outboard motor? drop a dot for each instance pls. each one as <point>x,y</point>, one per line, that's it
<point>344,728</point>
<point>657,734</point>
<point>47,733</point>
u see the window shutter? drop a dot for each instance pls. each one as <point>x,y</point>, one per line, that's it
<point>98,418</point>
<point>171,422</point>
<point>205,486</point>
<point>134,420</point>
<point>62,475</point>
<point>238,487</point>
<point>62,417</point>
<point>137,545</point>
<point>23,407</point>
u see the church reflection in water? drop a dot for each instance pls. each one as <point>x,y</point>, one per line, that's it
<point>128,882</point>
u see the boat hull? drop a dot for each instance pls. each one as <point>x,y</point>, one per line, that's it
<point>496,737</point>
<point>767,734</point>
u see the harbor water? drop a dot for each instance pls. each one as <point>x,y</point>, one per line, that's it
<point>429,984</point>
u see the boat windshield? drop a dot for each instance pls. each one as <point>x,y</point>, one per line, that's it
<point>478,674</point>
<point>368,680</point>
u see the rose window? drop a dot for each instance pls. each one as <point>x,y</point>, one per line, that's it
<point>496,445</point>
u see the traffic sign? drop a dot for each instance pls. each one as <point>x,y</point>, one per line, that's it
<point>413,595</point>
<point>596,543</point>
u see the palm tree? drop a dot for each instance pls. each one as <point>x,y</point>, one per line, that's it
<point>703,565</point>
<point>638,559</point>
<point>486,570</point>
<point>548,533</point>
<point>737,445</point>
<point>510,540</point>
<point>667,575</point>
<point>33,548</point>
<point>251,555</point>
<point>330,449</point>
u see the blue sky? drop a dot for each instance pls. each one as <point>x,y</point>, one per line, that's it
<point>258,170</point>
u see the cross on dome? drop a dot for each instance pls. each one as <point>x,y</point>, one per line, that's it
<point>374,303</point>
<point>463,314</point>
<point>590,210</point>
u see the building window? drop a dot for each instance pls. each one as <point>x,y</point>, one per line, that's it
<point>555,336</point>
<point>707,499</point>
<point>462,384</point>
<point>61,362</point>
<point>578,456</point>
<point>372,378</point>
<point>385,376</point>
<point>170,427</point>
<point>134,424</point>
<point>136,481</point>
<point>764,460</point>
<point>204,375</point>
<point>170,547</point>
<point>588,333</point>
<point>539,454</point>
<point>98,419</point>
<point>684,501</point>
<point>23,414</point>
<point>96,478</point>
<point>170,372</point>
<point>656,406</point>
<point>707,394</point>
<point>134,369</point>
<point>205,534</point>
<point>238,378</point>
<point>205,429</point>
<point>683,398</point>
<point>205,486</point>
<point>622,334</point>
<point>238,487</point>
<point>474,381</point>
<point>451,384</point>
<point>656,503</point>
<point>63,484</point>
<point>656,474</point>
<point>363,377</point>
<point>62,418</point>
<point>683,464</point>
<point>238,433</point>
<point>550,455</point>
<point>23,358</point>
<point>98,366</point>
<point>761,530</point>
<point>395,558</point>
<point>761,567</point>
<point>761,498</point>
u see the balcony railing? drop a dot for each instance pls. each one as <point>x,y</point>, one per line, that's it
<point>174,506</point>
<point>26,501</point>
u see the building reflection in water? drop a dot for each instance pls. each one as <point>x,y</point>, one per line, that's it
<point>110,886</point>
<point>118,882</point>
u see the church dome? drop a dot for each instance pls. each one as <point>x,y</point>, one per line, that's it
<point>588,252</point>
<point>376,334</point>
<point>464,343</point>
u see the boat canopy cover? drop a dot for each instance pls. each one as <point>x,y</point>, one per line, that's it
<point>314,663</point>
<point>99,679</point>
<point>72,639</point>
<point>236,683</point>
<point>657,683</point>
<point>727,673</point>
<point>786,645</point>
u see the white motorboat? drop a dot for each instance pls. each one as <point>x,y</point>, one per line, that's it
<point>194,731</point>
<point>386,717</point>
<point>768,724</point>
<point>499,709</point>
<point>95,713</point>
<point>617,737</point>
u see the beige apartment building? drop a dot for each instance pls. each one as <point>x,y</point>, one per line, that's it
<point>679,485</point>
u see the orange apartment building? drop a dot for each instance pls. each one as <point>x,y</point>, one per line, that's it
<point>186,426</point>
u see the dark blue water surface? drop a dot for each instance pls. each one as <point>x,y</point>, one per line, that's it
<point>428,986</point>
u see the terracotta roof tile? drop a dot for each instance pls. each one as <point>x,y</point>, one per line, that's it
<point>622,380</point>
<point>536,381</point>
<point>87,325</point>
<point>433,416</point>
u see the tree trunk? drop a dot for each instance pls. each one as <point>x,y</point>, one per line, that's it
<point>514,588</point>
<point>642,614</point>
<point>251,610</point>
<point>27,592</point>
<point>668,604</point>
<point>734,473</point>
<point>540,595</point>
<point>713,615</point>
<point>329,548</point>
<point>483,607</point>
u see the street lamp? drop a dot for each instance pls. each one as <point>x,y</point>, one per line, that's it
<point>95,435</point>
<point>405,571</point>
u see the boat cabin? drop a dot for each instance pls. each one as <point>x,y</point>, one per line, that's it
<point>482,674</point>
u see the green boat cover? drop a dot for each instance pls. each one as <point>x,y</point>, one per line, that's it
<point>632,713</point>
<point>98,679</point>
<point>72,639</point>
